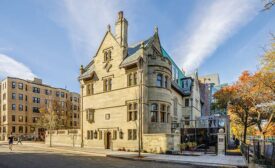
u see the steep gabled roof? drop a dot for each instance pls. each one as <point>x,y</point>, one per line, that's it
<point>134,48</point>
<point>133,52</point>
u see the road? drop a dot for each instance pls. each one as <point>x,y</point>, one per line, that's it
<point>24,156</point>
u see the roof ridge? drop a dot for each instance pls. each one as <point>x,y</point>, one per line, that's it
<point>139,42</point>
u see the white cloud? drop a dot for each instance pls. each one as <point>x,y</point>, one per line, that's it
<point>212,25</point>
<point>13,68</point>
<point>2,49</point>
<point>86,22</point>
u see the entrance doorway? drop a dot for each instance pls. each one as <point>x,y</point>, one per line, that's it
<point>108,140</point>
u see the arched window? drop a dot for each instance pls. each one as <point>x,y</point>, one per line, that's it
<point>159,80</point>
<point>154,112</point>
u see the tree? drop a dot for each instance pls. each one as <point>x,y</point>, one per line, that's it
<point>236,98</point>
<point>263,91</point>
<point>251,100</point>
<point>49,118</point>
<point>55,115</point>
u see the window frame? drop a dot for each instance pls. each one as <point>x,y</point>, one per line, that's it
<point>159,80</point>
<point>154,112</point>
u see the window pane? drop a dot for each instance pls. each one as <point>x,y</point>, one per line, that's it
<point>153,116</point>
<point>154,106</point>
<point>159,80</point>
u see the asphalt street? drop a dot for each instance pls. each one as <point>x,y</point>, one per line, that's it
<point>24,156</point>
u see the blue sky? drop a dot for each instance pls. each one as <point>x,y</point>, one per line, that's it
<point>51,39</point>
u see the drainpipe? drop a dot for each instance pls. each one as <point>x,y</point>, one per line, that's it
<point>82,141</point>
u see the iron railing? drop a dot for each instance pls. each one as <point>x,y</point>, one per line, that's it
<point>245,150</point>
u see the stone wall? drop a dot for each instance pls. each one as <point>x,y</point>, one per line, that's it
<point>160,143</point>
<point>70,137</point>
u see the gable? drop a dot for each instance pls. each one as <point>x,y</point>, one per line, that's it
<point>108,40</point>
<point>156,42</point>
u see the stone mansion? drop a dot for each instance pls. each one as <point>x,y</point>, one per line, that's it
<point>133,94</point>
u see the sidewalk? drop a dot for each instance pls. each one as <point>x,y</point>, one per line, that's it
<point>206,160</point>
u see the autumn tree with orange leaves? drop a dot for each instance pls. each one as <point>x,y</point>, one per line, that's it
<point>251,100</point>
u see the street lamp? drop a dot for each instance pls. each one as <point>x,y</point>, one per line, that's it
<point>82,142</point>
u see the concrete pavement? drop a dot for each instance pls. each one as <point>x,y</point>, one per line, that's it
<point>31,156</point>
<point>197,161</point>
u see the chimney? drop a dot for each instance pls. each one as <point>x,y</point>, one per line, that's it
<point>121,30</point>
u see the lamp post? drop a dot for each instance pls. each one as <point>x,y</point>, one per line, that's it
<point>82,141</point>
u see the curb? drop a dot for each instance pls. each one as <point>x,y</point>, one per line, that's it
<point>204,165</point>
<point>71,151</point>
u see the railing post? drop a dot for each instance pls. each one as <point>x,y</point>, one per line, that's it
<point>247,153</point>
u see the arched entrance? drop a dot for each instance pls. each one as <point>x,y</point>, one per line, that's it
<point>108,140</point>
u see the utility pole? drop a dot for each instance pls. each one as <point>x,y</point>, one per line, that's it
<point>82,142</point>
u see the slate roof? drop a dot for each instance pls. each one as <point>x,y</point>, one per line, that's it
<point>132,57</point>
<point>133,53</point>
<point>88,72</point>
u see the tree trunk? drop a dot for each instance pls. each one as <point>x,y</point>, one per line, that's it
<point>244,133</point>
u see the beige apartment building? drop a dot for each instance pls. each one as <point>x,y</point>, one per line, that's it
<point>20,104</point>
<point>133,94</point>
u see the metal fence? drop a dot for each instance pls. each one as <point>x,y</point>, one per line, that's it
<point>245,150</point>
<point>261,152</point>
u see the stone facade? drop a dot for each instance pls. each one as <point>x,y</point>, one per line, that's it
<point>20,101</point>
<point>127,90</point>
<point>192,103</point>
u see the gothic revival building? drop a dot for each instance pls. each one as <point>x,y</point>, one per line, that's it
<point>132,94</point>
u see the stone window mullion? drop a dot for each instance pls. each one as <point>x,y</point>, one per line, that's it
<point>132,79</point>
<point>158,114</point>
<point>165,117</point>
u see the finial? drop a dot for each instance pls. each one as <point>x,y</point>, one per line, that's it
<point>142,44</point>
<point>156,29</point>
<point>108,27</point>
<point>81,69</point>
